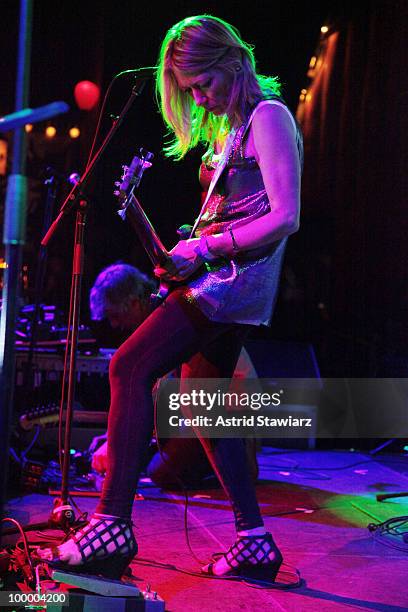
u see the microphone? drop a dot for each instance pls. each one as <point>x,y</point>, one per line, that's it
<point>145,72</point>
<point>140,74</point>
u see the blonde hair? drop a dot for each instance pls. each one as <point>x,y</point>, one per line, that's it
<point>193,46</point>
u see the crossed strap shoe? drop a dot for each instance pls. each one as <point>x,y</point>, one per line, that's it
<point>103,547</point>
<point>254,558</point>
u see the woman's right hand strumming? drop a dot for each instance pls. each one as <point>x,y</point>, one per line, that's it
<point>185,258</point>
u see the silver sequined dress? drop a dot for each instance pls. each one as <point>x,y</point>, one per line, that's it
<point>242,289</point>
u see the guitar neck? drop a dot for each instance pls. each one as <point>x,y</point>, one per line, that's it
<point>146,232</point>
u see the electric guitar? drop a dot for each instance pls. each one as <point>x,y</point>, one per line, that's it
<point>48,416</point>
<point>130,208</point>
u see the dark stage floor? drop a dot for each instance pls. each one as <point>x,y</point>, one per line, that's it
<point>316,503</point>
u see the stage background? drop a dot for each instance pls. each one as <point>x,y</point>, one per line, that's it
<point>344,281</point>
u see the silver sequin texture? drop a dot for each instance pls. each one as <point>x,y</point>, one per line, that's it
<point>242,289</point>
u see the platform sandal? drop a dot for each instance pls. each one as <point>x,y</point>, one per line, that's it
<point>106,546</point>
<point>255,558</point>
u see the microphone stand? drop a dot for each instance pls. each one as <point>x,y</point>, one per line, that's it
<point>63,514</point>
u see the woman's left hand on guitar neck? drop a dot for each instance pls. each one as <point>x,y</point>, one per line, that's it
<point>185,259</point>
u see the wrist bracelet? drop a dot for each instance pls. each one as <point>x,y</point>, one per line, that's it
<point>205,250</point>
<point>235,248</point>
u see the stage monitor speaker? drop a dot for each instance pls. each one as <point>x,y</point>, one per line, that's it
<point>274,359</point>
<point>279,359</point>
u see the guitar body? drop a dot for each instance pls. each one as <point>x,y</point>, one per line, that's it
<point>49,416</point>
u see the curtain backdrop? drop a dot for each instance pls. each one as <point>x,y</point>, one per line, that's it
<point>355,119</point>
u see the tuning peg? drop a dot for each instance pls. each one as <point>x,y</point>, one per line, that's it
<point>146,154</point>
<point>116,192</point>
<point>117,183</point>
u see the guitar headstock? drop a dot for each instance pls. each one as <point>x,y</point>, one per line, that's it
<point>132,175</point>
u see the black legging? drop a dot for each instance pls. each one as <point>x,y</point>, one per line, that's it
<point>176,332</point>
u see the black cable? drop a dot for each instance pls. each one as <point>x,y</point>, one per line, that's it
<point>14,456</point>
<point>390,527</point>
<point>98,125</point>
<point>179,480</point>
<point>105,99</point>
<point>260,583</point>
<point>83,515</point>
<point>64,382</point>
<point>65,369</point>
<point>22,458</point>
<point>32,442</point>
<point>25,542</point>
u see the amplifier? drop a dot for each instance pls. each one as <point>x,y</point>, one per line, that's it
<point>47,362</point>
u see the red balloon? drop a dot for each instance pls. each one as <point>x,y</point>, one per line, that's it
<point>86,95</point>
